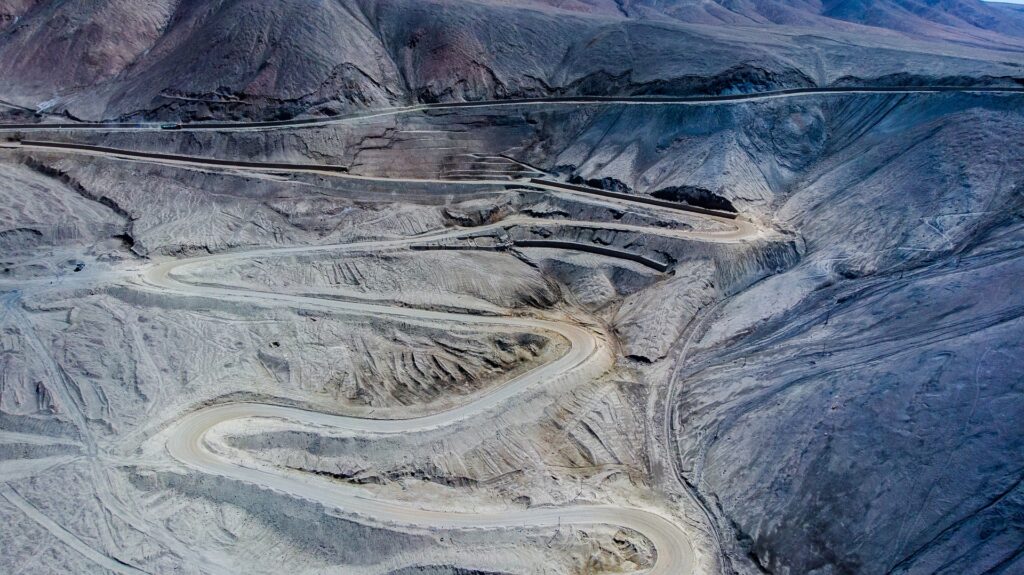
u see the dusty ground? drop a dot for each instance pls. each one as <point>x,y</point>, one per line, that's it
<point>391,352</point>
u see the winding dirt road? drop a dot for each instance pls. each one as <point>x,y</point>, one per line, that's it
<point>589,356</point>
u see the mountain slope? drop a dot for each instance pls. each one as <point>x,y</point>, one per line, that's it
<point>187,59</point>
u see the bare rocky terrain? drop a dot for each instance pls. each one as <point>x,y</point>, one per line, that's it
<point>411,287</point>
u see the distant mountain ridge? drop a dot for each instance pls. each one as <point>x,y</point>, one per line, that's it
<point>250,59</point>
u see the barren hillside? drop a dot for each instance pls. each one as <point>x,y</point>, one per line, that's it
<point>418,287</point>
